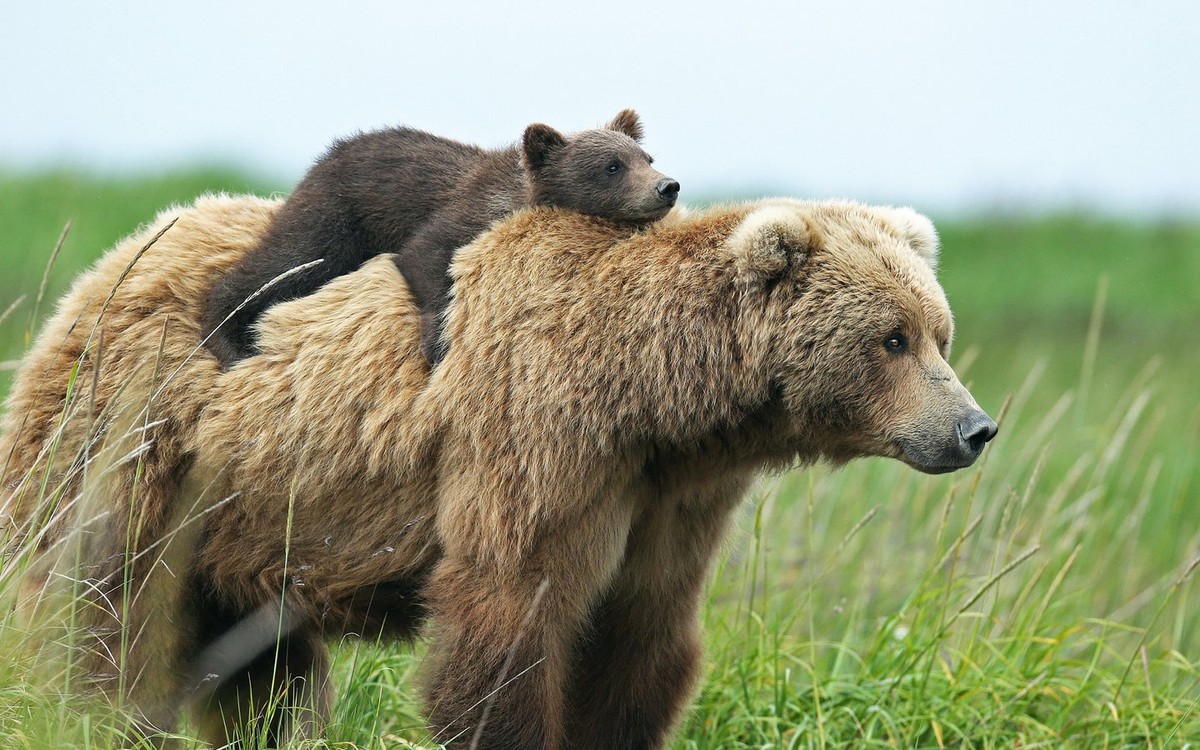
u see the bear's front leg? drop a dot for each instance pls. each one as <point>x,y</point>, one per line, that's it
<point>424,262</point>
<point>499,662</point>
<point>505,629</point>
<point>503,645</point>
<point>637,666</point>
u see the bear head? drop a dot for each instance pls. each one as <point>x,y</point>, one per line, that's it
<point>858,332</point>
<point>603,172</point>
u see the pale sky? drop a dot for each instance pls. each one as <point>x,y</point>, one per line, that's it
<point>946,106</point>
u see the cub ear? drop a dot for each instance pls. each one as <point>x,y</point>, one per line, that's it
<point>767,241</point>
<point>539,144</point>
<point>917,230</point>
<point>627,122</point>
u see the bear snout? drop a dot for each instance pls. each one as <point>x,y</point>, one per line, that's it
<point>938,447</point>
<point>668,190</point>
<point>974,430</point>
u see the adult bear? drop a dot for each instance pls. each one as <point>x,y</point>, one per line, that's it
<point>551,497</point>
<point>420,196</point>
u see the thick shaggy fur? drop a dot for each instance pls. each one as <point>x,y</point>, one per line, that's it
<point>421,197</point>
<point>549,499</point>
<point>105,456</point>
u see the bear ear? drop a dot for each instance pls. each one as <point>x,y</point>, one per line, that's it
<point>767,241</point>
<point>539,144</point>
<point>627,122</point>
<point>918,231</point>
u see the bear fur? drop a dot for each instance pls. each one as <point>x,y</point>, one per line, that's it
<point>548,500</point>
<point>421,197</point>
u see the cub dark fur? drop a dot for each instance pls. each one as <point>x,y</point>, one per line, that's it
<point>421,197</point>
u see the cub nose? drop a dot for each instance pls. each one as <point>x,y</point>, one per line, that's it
<point>668,189</point>
<point>974,432</point>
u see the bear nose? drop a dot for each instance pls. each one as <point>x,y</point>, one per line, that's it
<point>974,432</point>
<point>668,189</point>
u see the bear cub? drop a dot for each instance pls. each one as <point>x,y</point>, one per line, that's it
<point>420,196</point>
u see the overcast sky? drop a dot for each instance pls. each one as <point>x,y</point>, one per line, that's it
<point>941,105</point>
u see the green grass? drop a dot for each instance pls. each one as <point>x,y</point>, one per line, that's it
<point>96,211</point>
<point>1045,598</point>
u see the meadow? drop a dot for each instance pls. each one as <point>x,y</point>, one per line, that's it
<point>1047,597</point>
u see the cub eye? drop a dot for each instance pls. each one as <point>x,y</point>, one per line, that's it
<point>614,167</point>
<point>896,343</point>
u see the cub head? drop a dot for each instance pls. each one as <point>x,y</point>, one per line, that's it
<point>603,172</point>
<point>858,333</point>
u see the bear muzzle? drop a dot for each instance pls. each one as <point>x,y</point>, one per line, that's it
<point>656,204</point>
<point>975,431</point>
<point>943,453</point>
<point>668,190</point>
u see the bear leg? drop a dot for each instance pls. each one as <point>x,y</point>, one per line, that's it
<point>499,659</point>
<point>282,694</point>
<point>637,665</point>
<point>424,262</point>
<point>504,634</point>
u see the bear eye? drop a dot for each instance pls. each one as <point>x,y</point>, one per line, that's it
<point>896,343</point>
<point>614,167</point>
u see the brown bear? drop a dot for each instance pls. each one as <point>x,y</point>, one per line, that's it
<point>549,499</point>
<point>420,196</point>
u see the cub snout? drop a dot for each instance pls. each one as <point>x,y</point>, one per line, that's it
<point>668,190</point>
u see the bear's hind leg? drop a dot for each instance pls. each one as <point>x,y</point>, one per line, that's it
<point>284,693</point>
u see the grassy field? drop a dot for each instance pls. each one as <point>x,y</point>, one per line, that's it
<point>1045,598</point>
